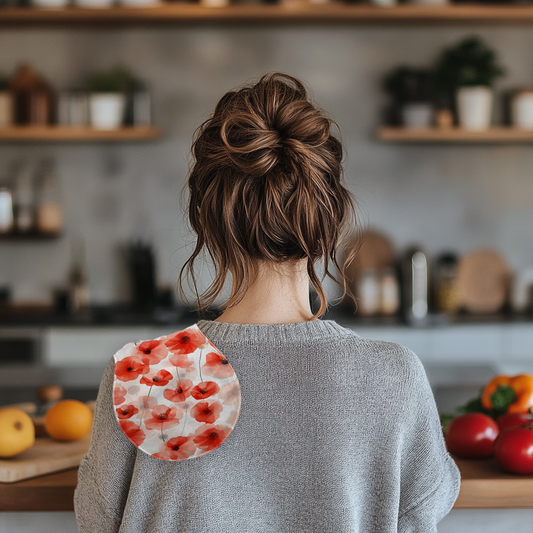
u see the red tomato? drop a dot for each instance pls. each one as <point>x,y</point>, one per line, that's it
<point>512,420</point>
<point>514,450</point>
<point>472,435</point>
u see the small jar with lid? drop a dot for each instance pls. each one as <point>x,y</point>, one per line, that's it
<point>389,292</point>
<point>522,109</point>
<point>445,283</point>
<point>368,291</point>
<point>6,210</point>
<point>48,212</point>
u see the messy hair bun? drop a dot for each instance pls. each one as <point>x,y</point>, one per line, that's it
<point>266,184</point>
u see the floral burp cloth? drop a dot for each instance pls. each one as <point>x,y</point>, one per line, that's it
<point>175,397</point>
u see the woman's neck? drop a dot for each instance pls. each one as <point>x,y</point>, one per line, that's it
<point>280,295</point>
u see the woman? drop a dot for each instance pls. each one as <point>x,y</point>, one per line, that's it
<point>335,433</point>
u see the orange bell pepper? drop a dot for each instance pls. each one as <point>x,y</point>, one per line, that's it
<point>522,385</point>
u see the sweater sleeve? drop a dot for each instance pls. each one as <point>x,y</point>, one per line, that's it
<point>105,472</point>
<point>430,479</point>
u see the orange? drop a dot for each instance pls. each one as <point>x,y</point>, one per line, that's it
<point>17,432</point>
<point>68,420</point>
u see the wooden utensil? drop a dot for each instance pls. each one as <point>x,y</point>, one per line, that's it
<point>483,280</point>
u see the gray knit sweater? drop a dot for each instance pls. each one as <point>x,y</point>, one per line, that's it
<point>336,433</point>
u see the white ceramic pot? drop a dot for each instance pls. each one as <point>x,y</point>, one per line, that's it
<point>522,110</point>
<point>417,115</point>
<point>474,107</point>
<point>94,3</point>
<point>107,110</point>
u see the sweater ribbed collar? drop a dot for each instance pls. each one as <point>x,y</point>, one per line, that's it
<point>271,333</point>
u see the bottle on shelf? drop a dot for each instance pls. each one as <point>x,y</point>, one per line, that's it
<point>389,292</point>
<point>446,293</point>
<point>33,97</point>
<point>6,210</point>
<point>415,285</point>
<point>24,207</point>
<point>368,290</point>
<point>77,279</point>
<point>6,104</point>
<point>48,212</point>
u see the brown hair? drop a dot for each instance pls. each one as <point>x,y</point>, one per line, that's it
<point>265,184</point>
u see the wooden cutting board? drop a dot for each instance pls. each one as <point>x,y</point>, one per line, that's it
<point>44,457</point>
<point>483,281</point>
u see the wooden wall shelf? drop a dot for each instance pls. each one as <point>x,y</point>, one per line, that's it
<point>303,12</point>
<point>455,135</point>
<point>66,133</point>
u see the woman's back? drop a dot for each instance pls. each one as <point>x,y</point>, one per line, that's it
<point>335,433</point>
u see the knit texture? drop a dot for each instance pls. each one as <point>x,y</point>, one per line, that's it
<point>336,433</point>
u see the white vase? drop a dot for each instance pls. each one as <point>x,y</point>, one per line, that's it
<point>474,107</point>
<point>107,110</point>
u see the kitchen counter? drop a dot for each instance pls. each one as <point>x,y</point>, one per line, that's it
<point>483,485</point>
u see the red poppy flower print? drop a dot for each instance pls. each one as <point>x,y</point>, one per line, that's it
<point>206,412</point>
<point>126,411</point>
<point>180,392</point>
<point>208,438</point>
<point>230,393</point>
<point>130,368</point>
<point>217,365</point>
<point>163,417</point>
<point>160,379</point>
<point>186,341</point>
<point>132,431</point>
<point>175,449</point>
<point>204,389</point>
<point>145,404</point>
<point>152,352</point>
<point>119,395</point>
<point>181,360</point>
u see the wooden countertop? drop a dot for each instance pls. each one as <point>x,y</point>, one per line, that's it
<point>483,485</point>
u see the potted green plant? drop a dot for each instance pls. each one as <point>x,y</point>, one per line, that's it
<point>107,97</point>
<point>467,72</point>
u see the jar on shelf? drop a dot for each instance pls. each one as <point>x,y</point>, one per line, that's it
<point>445,283</point>
<point>6,210</point>
<point>73,108</point>
<point>389,292</point>
<point>6,105</point>
<point>48,212</point>
<point>32,96</point>
<point>522,109</point>
<point>368,291</point>
<point>24,200</point>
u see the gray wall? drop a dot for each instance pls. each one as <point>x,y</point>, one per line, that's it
<point>444,197</point>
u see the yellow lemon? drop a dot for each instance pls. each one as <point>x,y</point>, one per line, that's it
<point>17,432</point>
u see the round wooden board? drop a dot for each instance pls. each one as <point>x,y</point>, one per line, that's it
<point>483,279</point>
